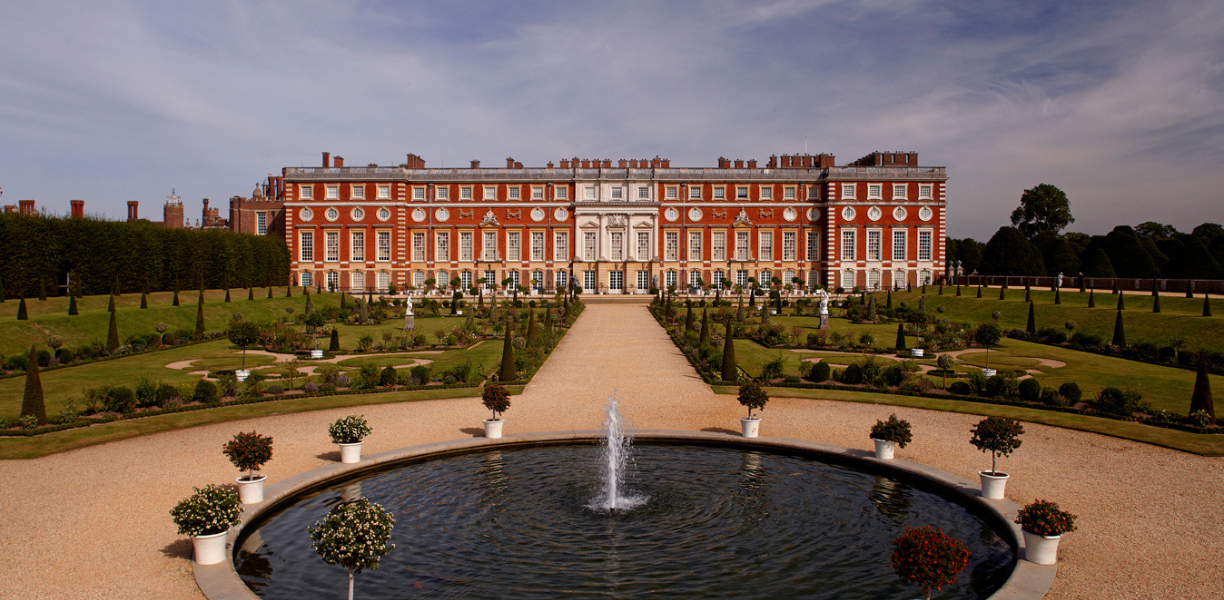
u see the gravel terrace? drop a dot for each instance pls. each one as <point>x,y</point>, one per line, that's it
<point>94,522</point>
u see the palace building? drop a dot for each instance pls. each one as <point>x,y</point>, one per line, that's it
<point>878,222</point>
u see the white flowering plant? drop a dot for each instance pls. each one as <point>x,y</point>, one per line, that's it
<point>349,430</point>
<point>208,511</point>
<point>354,535</point>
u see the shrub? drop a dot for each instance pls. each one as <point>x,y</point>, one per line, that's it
<point>753,397</point>
<point>387,377</point>
<point>1071,391</point>
<point>893,430</point>
<point>205,392</point>
<point>354,535</point>
<point>120,399</point>
<point>64,355</point>
<point>893,376</point>
<point>928,557</point>
<point>998,435</point>
<point>853,374</point>
<point>820,372</point>
<point>248,452</point>
<point>310,387</point>
<point>1120,402</point>
<point>772,370</point>
<point>1044,518</point>
<point>146,392</point>
<point>208,511</point>
<point>1030,389</point>
<point>422,374</point>
<point>349,430</point>
<point>960,388</point>
<point>43,357</point>
<point>275,389</point>
<point>495,398</point>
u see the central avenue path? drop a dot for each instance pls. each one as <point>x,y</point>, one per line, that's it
<point>94,523</point>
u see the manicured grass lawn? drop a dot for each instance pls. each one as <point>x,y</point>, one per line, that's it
<point>1205,444</point>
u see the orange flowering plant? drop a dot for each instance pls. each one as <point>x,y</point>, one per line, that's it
<point>1044,518</point>
<point>928,557</point>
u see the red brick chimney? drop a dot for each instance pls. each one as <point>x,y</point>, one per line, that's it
<point>339,161</point>
<point>475,164</point>
<point>133,209</point>
<point>509,163</point>
<point>565,163</point>
<point>78,208</point>
<point>326,159</point>
<point>26,207</point>
<point>739,164</point>
<point>724,163</point>
<point>752,164</point>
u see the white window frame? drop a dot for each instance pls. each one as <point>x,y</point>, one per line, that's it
<point>384,249</point>
<point>694,277</point>
<point>873,279</point>
<point>813,245</point>
<point>716,278</point>
<point>616,192</point>
<point>357,191</point>
<point>875,191</point>
<point>489,192</point>
<point>766,192</point>
<point>306,278</point>
<point>926,245</point>
<point>671,245</point>
<point>488,249</point>
<point>694,192</point>
<point>331,280</point>
<point>418,279</point>
<point>384,192</point>
<point>537,192</point>
<point>643,245</point>
<point>672,192</point>
<point>306,191</point>
<point>490,278</point>
<point>899,191</point>
<point>741,277</point>
<point>765,245</point>
<point>465,192</point>
<point>741,192</point>
<point>743,245</point>
<point>788,192</point>
<point>875,245</point>
<point>465,280</point>
<point>418,193</point>
<point>562,192</point>
<point>616,280</point>
<point>442,193</point>
<point>590,246</point>
<point>384,280</point>
<point>847,279</point>
<point>560,245</point>
<point>465,246</point>
<point>537,245</point>
<point>617,249</point>
<point>694,245</point>
<point>306,246</point>
<point>588,192</point>
<point>561,279</point>
<point>512,192</point>
<point>718,245</point>
<point>261,223</point>
<point>589,280</point>
<point>925,191</point>
<point>514,246</point>
<point>670,279</point>
<point>357,245</point>
<point>643,192</point>
<point>332,192</point>
<point>332,241</point>
<point>849,243</point>
<point>418,246</point>
<point>720,192</point>
<point>788,244</point>
<point>357,280</point>
<point>899,239</point>
<point>643,280</point>
<point>442,246</point>
<point>848,191</point>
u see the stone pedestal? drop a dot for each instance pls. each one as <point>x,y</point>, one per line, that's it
<point>824,321</point>
<point>409,322</point>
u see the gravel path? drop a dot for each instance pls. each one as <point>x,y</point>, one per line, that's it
<point>94,523</point>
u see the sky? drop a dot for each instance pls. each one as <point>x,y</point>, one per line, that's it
<point>1118,103</point>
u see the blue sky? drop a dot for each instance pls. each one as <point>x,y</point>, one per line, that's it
<point>1120,104</point>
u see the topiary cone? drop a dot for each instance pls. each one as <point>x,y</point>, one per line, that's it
<point>144,300</point>
<point>1206,306</point>
<point>32,402</point>
<point>199,324</point>
<point>1121,301</point>
<point>1119,335</point>
<point>269,292</point>
<point>72,307</point>
<point>507,364</point>
<point>1091,300</point>
<point>250,293</point>
<point>1156,303</point>
<point>704,337</point>
<point>1031,327</point>
<point>900,336</point>
<point>111,306</point>
<point>21,311</point>
<point>112,334</point>
<point>729,372</point>
<point>1003,293</point>
<point>979,290</point>
<point>1058,296</point>
<point>1201,399</point>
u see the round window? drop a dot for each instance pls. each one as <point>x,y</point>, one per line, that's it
<point>848,213</point>
<point>537,214</point>
<point>442,214</point>
<point>671,214</point>
<point>358,214</point>
<point>331,214</point>
<point>694,214</point>
<point>384,214</point>
<point>874,213</point>
<point>899,213</point>
<point>560,214</point>
<point>790,214</point>
<point>305,214</point>
<point>418,215</point>
<point>925,213</point>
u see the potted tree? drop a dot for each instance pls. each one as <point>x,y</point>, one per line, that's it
<point>497,399</point>
<point>928,557</point>
<point>988,334</point>
<point>348,433</point>
<point>248,452</point>
<point>890,434</point>
<point>752,396</point>
<point>1000,436</point>
<point>1043,525</point>
<point>207,516</point>
<point>354,535</point>
<point>243,333</point>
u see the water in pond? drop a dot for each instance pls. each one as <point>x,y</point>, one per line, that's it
<point>713,522</point>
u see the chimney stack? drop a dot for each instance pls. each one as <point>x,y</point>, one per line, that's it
<point>133,208</point>
<point>339,161</point>
<point>475,164</point>
<point>26,207</point>
<point>509,163</point>
<point>326,159</point>
<point>78,209</point>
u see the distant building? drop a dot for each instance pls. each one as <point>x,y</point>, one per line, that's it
<point>875,223</point>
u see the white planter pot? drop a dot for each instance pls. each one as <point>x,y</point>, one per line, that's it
<point>1041,549</point>
<point>751,426</point>
<point>251,491</point>
<point>210,549</point>
<point>993,485</point>
<point>917,352</point>
<point>989,372</point>
<point>316,354</point>
<point>242,374</point>
<point>493,428</point>
<point>350,453</point>
<point>884,449</point>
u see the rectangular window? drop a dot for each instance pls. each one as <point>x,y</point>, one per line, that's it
<point>694,192</point>
<point>490,278</point>
<point>720,193</point>
<point>898,244</point>
<point>741,245</point>
<point>616,280</point>
<point>873,244</point>
<point>847,279</point>
<point>848,191</point>
<point>418,193</point>
<point>443,245</point>
<point>873,280</point>
<point>788,245</point>
<point>537,245</point>
<point>813,245</point>
<point>537,193</point>
<point>306,279</point>
<point>384,192</point>
<point>766,193</point>
<point>514,250</point>
<point>333,280</point>
<point>465,193</point>
<point>537,280</point>
<point>765,246</point>
<point>924,245</point>
<point>465,246</point>
<point>333,192</point>
<point>694,245</point>
<point>589,192</point>
<point>512,193</point>
<point>384,245</point>
<point>719,245</point>
<point>561,280</point>
<point>898,191</point>
<point>671,245</point>
<point>616,192</point>
<point>562,193</point>
<point>643,193</point>
<point>873,192</point>
<point>741,277</point>
<point>788,193</point>
<point>672,192</point>
<point>588,280</point>
<point>306,247</point>
<point>333,246</point>
<point>924,192</point>
<point>694,278</point>
<point>848,239</point>
<point>384,280</point>
<point>465,280</point>
<point>716,278</point>
<point>669,279</point>
<point>643,280</point>
<point>618,246</point>
<point>561,245</point>
<point>513,276</point>
<point>261,223</point>
<point>490,192</point>
<point>358,192</point>
<point>588,245</point>
<point>418,279</point>
<point>358,243</point>
<point>418,246</point>
<point>489,249</point>
<point>741,192</point>
<point>442,192</point>
<point>357,280</point>
<point>306,192</point>
<point>643,245</point>
<point>813,192</point>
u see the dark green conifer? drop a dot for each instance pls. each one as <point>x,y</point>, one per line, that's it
<point>1,289</point>
<point>1091,299</point>
<point>21,310</point>
<point>1201,399</point>
<point>1206,305</point>
<point>1003,293</point>
<point>900,336</point>
<point>333,344</point>
<point>958,292</point>
<point>688,316</point>
<point>1119,335</point>
<point>269,292</point>
<point>888,300</point>
<point>729,372</point>
<point>176,291</point>
<point>42,289</point>
<point>72,307</point>
<point>118,291</point>
<point>507,363</point>
<point>1057,295</point>
<point>110,307</point>
<point>1156,303</point>
<point>250,293</point>
<point>112,334</point>
<point>343,301</point>
<point>1028,292</point>
<point>199,324</point>
<point>1115,286</point>
<point>144,300</point>
<point>32,402</point>
<point>1031,327</point>
<point>704,337</point>
<point>979,294</point>
<point>1121,301</point>
<point>1189,288</point>
<point>940,290</point>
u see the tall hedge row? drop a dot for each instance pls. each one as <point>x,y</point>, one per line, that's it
<point>97,252</point>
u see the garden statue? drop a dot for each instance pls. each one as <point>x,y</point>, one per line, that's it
<point>824,308</point>
<point>1060,279</point>
<point>409,318</point>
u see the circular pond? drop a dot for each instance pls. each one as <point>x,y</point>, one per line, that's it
<point>704,522</point>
